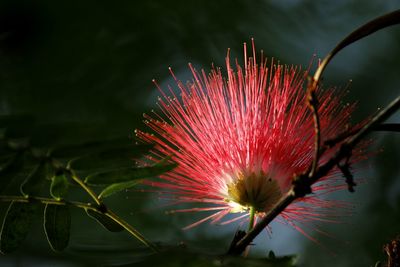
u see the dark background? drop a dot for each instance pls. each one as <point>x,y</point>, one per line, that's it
<point>82,70</point>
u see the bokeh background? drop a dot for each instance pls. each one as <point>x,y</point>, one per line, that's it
<point>82,70</point>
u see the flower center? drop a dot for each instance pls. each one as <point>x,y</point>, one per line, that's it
<point>256,190</point>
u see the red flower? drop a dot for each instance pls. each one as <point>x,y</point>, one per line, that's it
<point>240,137</point>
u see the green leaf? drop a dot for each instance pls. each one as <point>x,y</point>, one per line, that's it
<point>128,174</point>
<point>33,183</point>
<point>104,220</point>
<point>16,225</point>
<point>6,160</point>
<point>59,186</point>
<point>57,224</point>
<point>115,188</point>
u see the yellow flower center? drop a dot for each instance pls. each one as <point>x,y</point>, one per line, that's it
<point>256,190</point>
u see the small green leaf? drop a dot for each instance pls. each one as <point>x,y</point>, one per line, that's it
<point>115,188</point>
<point>16,225</point>
<point>59,186</point>
<point>33,183</point>
<point>57,224</point>
<point>128,174</point>
<point>104,220</point>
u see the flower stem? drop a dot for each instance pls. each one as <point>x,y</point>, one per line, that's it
<point>252,215</point>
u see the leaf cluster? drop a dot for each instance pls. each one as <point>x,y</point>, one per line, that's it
<point>36,181</point>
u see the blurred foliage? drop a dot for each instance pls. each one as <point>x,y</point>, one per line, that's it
<point>182,257</point>
<point>80,73</point>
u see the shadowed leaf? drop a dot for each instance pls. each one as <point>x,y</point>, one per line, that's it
<point>16,225</point>
<point>115,188</point>
<point>5,161</point>
<point>128,174</point>
<point>16,125</point>
<point>108,159</point>
<point>105,221</point>
<point>2,133</point>
<point>57,224</point>
<point>33,183</point>
<point>59,186</point>
<point>74,150</point>
<point>10,169</point>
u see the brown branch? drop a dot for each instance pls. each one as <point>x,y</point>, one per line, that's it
<point>303,182</point>
<point>384,127</point>
<point>339,138</point>
<point>313,105</point>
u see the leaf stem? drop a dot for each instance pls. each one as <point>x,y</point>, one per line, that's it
<point>109,213</point>
<point>44,200</point>
<point>91,193</point>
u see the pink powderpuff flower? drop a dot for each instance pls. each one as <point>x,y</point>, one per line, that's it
<point>240,137</point>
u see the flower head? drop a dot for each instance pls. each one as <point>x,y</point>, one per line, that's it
<point>240,135</point>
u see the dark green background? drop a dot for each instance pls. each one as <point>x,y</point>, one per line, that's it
<point>82,70</point>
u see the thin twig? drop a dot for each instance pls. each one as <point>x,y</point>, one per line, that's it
<point>90,192</point>
<point>377,24</point>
